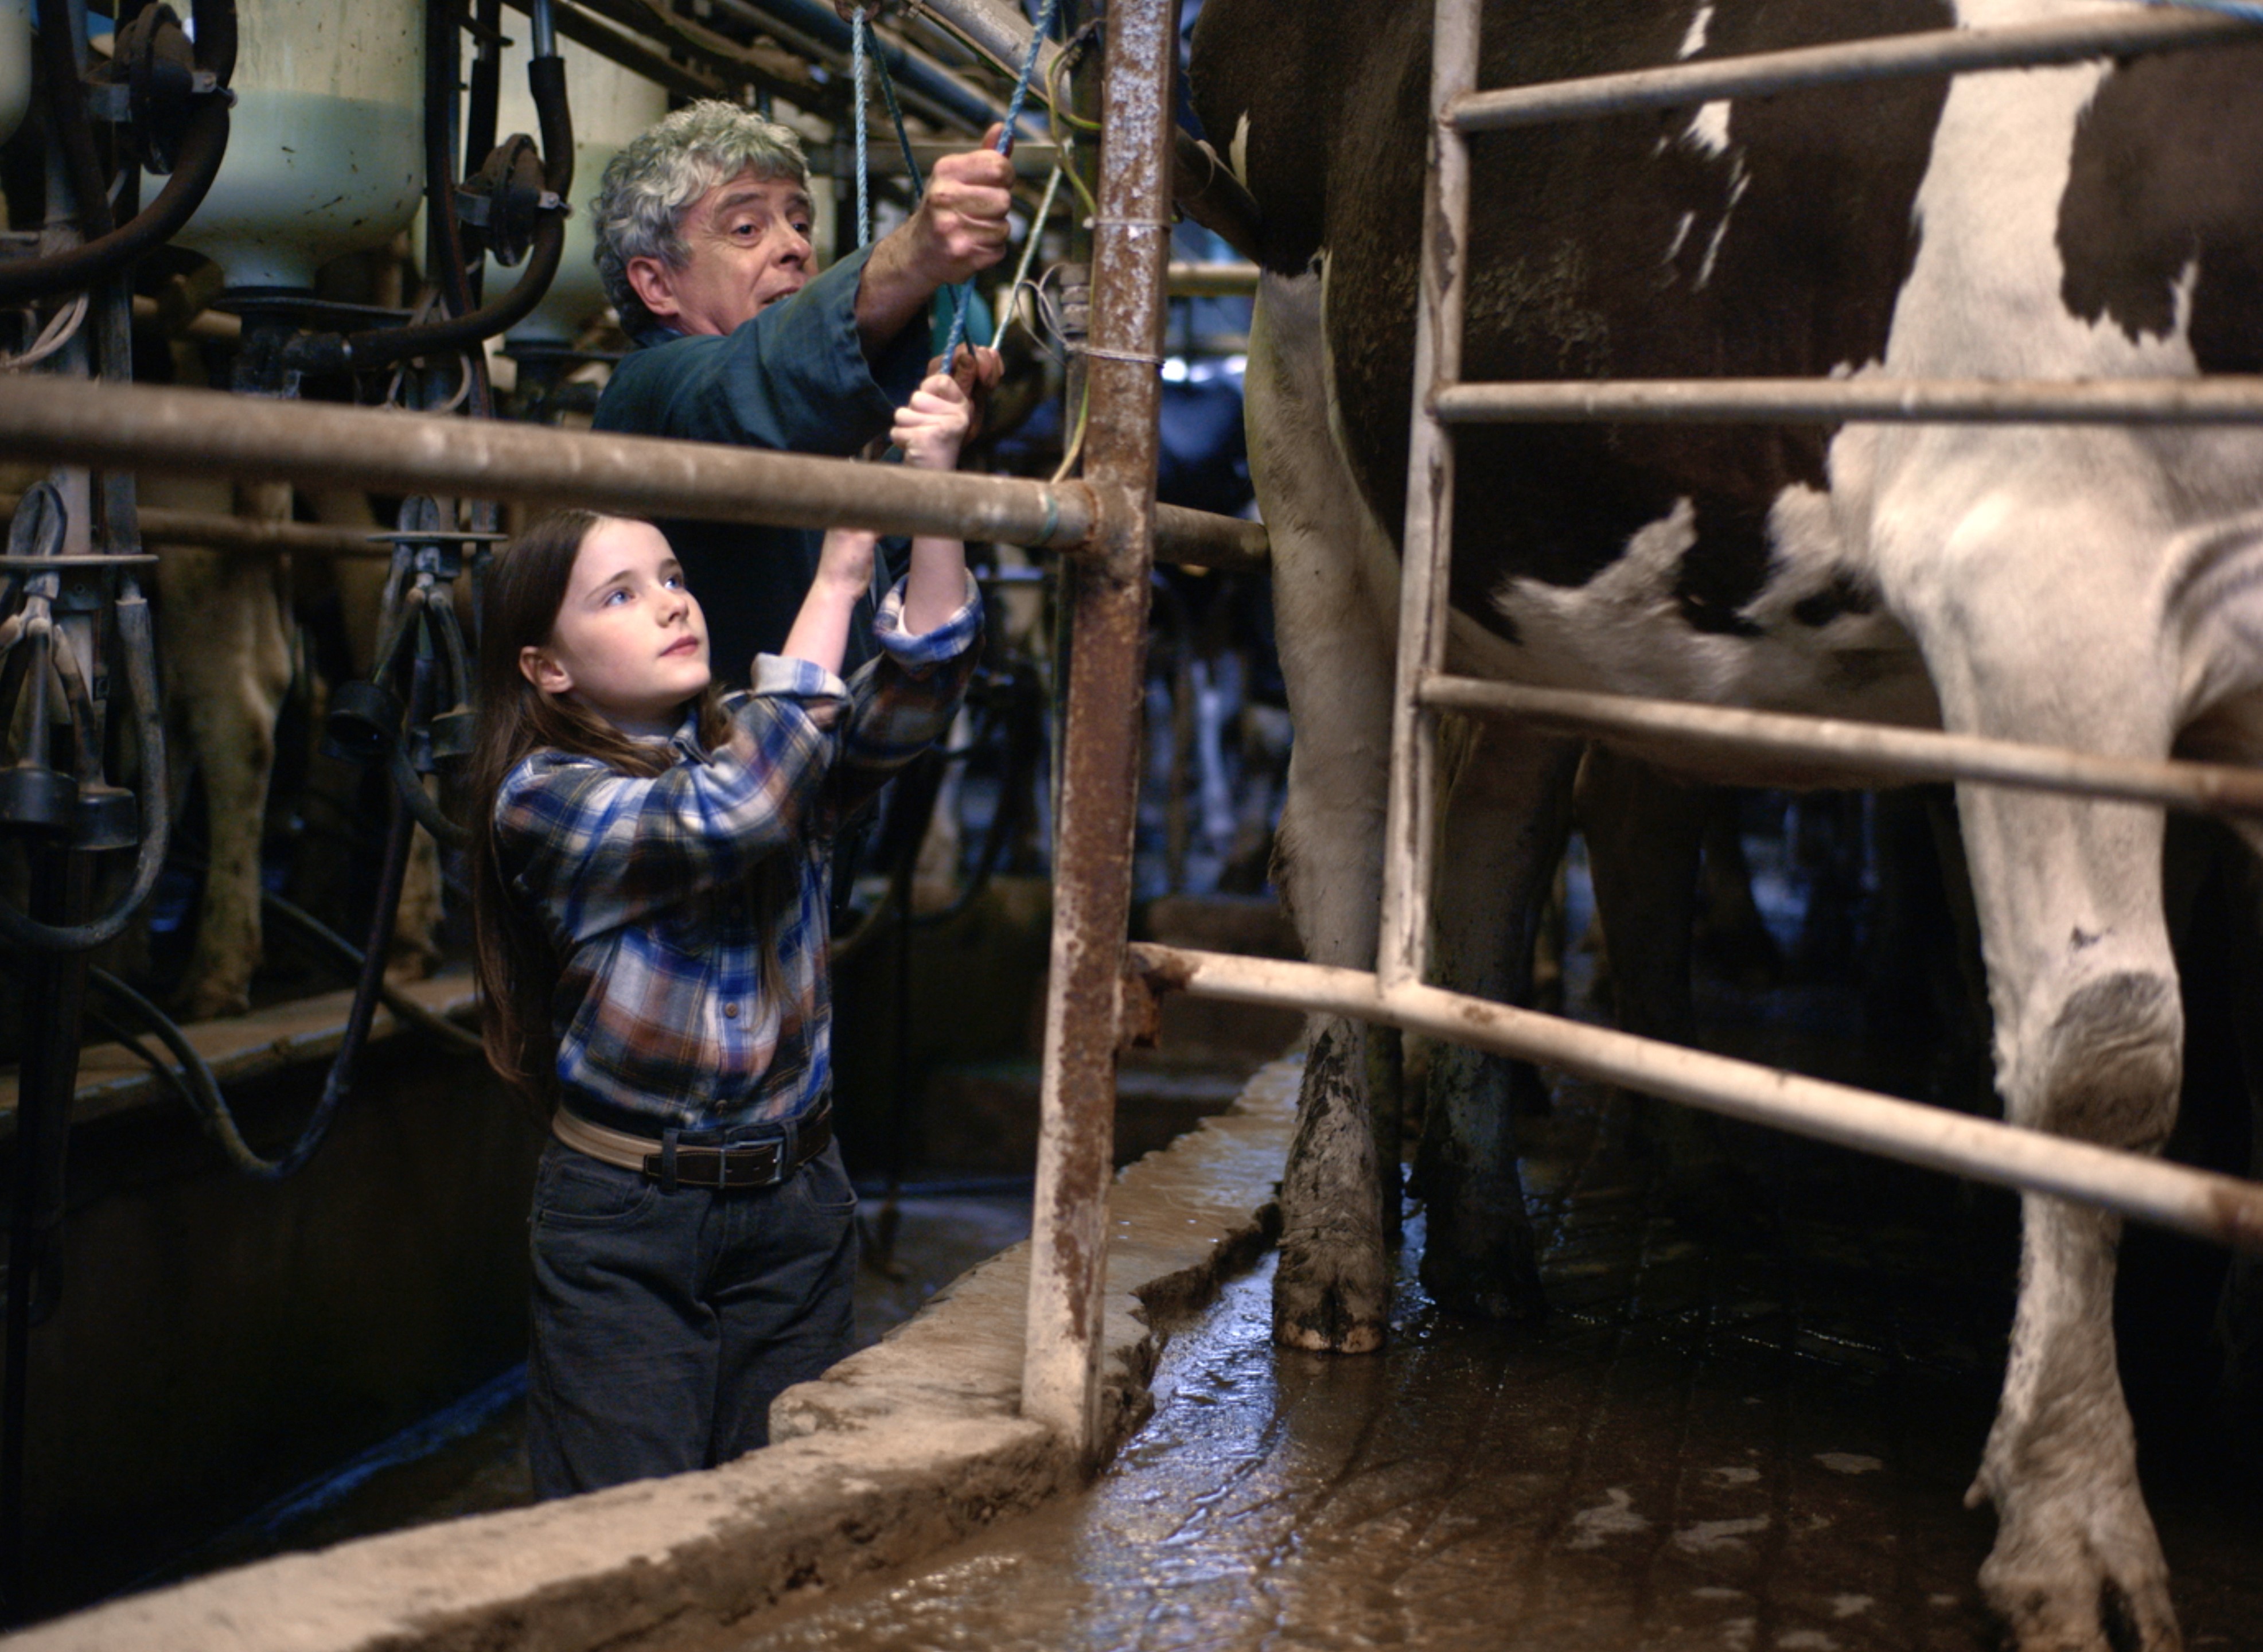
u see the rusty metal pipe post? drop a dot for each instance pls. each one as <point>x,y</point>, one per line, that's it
<point>1107,590</point>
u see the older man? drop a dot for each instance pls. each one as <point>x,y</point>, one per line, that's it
<point>702,241</point>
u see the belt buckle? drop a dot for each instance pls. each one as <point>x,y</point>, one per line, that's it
<point>764,1163</point>
<point>754,1165</point>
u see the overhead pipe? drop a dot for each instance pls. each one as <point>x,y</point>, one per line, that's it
<point>196,165</point>
<point>916,75</point>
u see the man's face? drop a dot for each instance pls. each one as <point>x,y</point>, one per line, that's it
<point>748,240</point>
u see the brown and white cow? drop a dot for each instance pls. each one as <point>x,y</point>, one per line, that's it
<point>2094,588</point>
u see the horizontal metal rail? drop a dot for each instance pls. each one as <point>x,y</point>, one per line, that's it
<point>1207,280</point>
<point>1934,51</point>
<point>211,433</point>
<point>2220,1208</point>
<point>2221,398</point>
<point>1836,750</point>
<point>216,531</point>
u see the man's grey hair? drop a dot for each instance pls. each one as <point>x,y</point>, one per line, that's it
<point>667,167</point>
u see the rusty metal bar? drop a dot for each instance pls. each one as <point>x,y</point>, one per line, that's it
<point>1934,51</point>
<point>2220,399</point>
<point>2220,1208</point>
<point>214,532</point>
<point>1835,751</point>
<point>1410,831</point>
<point>1107,596</point>
<point>210,433</point>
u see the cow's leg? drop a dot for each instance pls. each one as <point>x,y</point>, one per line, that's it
<point>1332,1289</point>
<point>228,657</point>
<point>1644,833</point>
<point>1503,833</point>
<point>2089,1043</point>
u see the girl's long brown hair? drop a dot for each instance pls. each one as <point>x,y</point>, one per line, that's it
<point>517,966</point>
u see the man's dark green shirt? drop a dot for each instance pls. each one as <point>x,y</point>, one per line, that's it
<point>794,379</point>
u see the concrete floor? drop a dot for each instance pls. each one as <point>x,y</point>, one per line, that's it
<point>472,1459</point>
<point>1757,1440</point>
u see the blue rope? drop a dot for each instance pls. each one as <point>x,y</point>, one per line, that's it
<point>2250,10</point>
<point>1043,26</point>
<point>859,74</point>
<point>964,293</point>
<point>859,56</point>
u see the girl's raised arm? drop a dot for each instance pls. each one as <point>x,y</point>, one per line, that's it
<point>931,428</point>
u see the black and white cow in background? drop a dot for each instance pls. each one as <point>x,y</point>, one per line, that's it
<point>2092,587</point>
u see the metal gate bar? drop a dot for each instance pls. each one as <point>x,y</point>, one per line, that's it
<point>1410,819</point>
<point>1934,52</point>
<point>212,433</point>
<point>2220,1208</point>
<point>2214,1207</point>
<point>1841,752</point>
<point>2221,399</point>
<point>1099,748</point>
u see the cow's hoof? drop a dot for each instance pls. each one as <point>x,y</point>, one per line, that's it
<point>1329,1310</point>
<point>1503,1286</point>
<point>2077,1589</point>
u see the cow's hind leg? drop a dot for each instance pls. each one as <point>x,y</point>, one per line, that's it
<point>1504,831</point>
<point>1332,1289</point>
<point>2089,1042</point>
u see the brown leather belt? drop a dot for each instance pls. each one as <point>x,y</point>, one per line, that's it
<point>698,1164</point>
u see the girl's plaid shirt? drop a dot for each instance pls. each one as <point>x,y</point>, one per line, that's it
<point>652,891</point>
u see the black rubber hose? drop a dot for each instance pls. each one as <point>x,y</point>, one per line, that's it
<point>140,648</point>
<point>74,130</point>
<point>333,352</point>
<point>350,959</point>
<point>202,147</point>
<point>485,86</point>
<point>442,235</point>
<point>215,41</point>
<point>440,614</point>
<point>410,787</point>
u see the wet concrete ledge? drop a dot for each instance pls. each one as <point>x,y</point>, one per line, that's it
<point>899,1450</point>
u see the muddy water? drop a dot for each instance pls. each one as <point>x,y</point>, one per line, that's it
<point>1757,1441</point>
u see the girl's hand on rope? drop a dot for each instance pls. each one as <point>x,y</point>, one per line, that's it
<point>960,225</point>
<point>977,370</point>
<point>932,425</point>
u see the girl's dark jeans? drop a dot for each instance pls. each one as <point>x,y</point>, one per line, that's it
<point>666,1323</point>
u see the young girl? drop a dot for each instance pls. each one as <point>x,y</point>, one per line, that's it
<point>651,903</point>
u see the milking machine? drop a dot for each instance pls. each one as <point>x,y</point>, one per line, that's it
<point>287,132</point>
<point>75,623</point>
